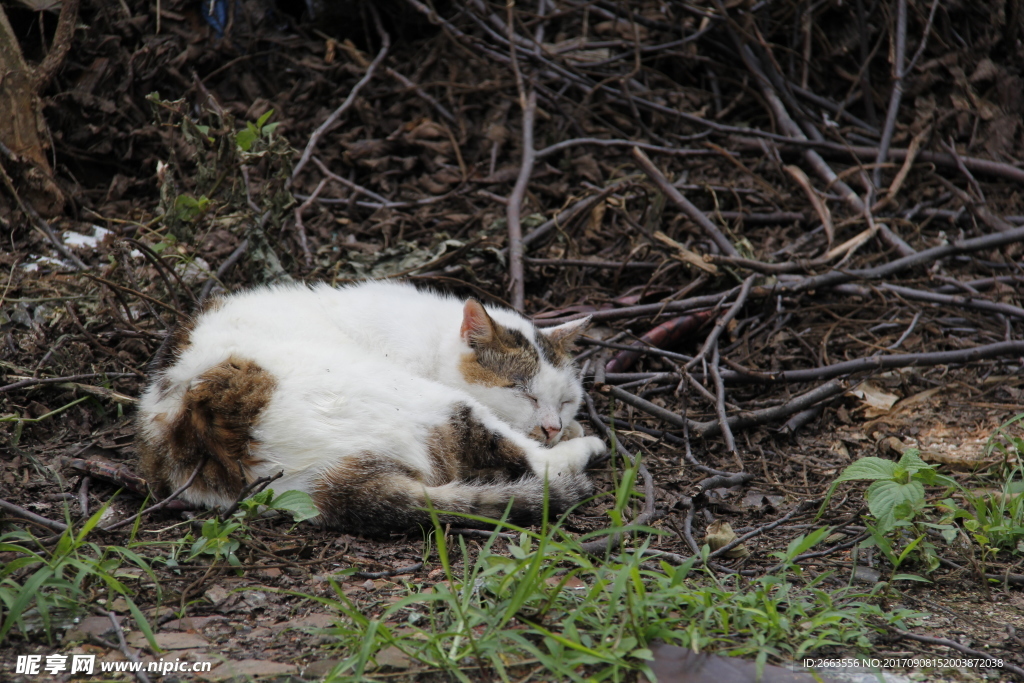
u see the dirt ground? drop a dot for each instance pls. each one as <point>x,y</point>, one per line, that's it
<point>416,178</point>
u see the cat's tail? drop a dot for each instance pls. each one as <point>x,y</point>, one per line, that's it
<point>404,503</point>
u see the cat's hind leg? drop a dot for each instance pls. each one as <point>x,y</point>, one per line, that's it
<point>211,424</point>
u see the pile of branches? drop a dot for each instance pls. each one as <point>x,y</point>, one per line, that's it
<point>758,205</point>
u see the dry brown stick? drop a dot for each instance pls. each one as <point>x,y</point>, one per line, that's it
<point>32,381</point>
<point>390,572</point>
<point>60,45</point>
<point>1005,577</point>
<point>250,489</point>
<point>228,264</point>
<point>976,206</point>
<point>603,142</point>
<point>58,527</point>
<point>868,364</point>
<point>349,184</point>
<point>123,644</point>
<point>37,221</point>
<point>723,420</point>
<point>960,300</point>
<point>835,277</point>
<point>716,331</point>
<point>695,214</point>
<point>899,52</point>
<point>162,268</point>
<point>589,264</point>
<point>791,128</point>
<point>820,553</point>
<point>423,94</point>
<point>690,304</point>
<point>129,290</point>
<point>563,217</point>
<point>924,37</point>
<point>314,139</point>
<point>862,152</point>
<point>300,226</point>
<point>805,505</point>
<point>708,429</point>
<point>515,205</point>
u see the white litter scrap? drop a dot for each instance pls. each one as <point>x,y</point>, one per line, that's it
<point>77,239</point>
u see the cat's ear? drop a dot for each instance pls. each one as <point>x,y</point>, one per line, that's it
<point>477,326</point>
<point>565,334</point>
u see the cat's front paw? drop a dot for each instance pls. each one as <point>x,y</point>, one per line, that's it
<point>576,455</point>
<point>596,449</point>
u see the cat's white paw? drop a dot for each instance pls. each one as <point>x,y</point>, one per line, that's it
<point>570,456</point>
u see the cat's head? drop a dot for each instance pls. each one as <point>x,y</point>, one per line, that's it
<point>525,375</point>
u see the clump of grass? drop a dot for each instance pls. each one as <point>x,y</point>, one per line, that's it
<point>547,603</point>
<point>43,588</point>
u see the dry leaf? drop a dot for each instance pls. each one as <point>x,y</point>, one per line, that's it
<point>874,400</point>
<point>720,534</point>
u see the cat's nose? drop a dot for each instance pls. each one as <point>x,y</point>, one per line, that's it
<point>550,432</point>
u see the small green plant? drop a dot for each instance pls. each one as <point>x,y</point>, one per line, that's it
<point>896,501</point>
<point>994,519</point>
<point>247,137</point>
<point>187,208</point>
<point>218,537</point>
<point>44,588</point>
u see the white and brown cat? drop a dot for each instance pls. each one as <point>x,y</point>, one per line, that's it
<point>374,399</point>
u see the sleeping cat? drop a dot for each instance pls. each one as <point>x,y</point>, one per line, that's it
<point>377,399</point>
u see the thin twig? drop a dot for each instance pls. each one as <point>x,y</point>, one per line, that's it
<point>128,652</point>
<point>899,52</point>
<point>716,331</point>
<point>723,420</point>
<point>683,203</point>
<point>515,205</point>
<point>755,417</point>
<point>608,544</point>
<point>163,503</point>
<point>58,527</point>
<point>1002,349</point>
<point>33,381</point>
<point>389,573</point>
<point>250,490</point>
<point>314,139</point>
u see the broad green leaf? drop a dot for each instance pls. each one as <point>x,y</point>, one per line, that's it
<point>884,496</point>
<point>298,503</point>
<point>912,462</point>
<point>868,468</point>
